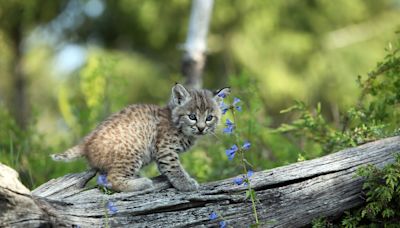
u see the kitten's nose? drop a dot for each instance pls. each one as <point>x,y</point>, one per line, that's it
<point>201,129</point>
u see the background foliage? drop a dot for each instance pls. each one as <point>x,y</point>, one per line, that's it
<point>66,65</point>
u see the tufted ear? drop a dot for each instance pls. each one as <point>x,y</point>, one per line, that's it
<point>179,95</point>
<point>221,94</point>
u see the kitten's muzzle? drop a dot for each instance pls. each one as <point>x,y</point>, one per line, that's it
<point>201,129</point>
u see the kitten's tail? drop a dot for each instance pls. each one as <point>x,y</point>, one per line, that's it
<point>69,155</point>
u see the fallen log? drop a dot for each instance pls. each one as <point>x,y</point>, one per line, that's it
<point>288,196</point>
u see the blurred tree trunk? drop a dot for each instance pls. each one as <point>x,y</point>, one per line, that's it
<point>19,101</point>
<point>194,58</point>
<point>17,19</point>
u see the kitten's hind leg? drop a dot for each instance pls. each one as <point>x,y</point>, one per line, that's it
<point>120,182</point>
<point>141,183</point>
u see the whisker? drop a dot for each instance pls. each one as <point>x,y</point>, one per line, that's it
<point>215,135</point>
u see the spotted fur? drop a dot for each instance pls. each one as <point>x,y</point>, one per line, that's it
<point>130,139</point>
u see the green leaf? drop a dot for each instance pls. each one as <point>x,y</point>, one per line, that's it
<point>387,213</point>
<point>298,107</point>
<point>248,194</point>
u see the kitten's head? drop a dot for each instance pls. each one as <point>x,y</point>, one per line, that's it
<point>195,112</point>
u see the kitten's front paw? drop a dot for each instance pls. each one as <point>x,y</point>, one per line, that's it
<point>187,186</point>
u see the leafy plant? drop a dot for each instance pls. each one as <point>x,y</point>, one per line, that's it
<point>382,191</point>
<point>376,115</point>
<point>109,206</point>
<point>25,150</point>
<point>321,223</point>
<point>230,129</point>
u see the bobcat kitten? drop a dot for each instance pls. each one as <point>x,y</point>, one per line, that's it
<point>139,134</point>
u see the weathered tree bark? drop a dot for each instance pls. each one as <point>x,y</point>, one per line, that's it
<point>194,58</point>
<point>17,206</point>
<point>289,196</point>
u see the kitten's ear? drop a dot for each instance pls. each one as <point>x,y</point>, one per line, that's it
<point>180,95</point>
<point>221,94</point>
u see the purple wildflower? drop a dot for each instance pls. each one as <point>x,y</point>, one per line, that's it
<point>229,127</point>
<point>237,107</point>
<point>213,216</point>
<point>228,122</point>
<point>250,173</point>
<point>111,207</point>
<point>102,180</point>
<point>235,100</point>
<point>241,180</point>
<point>222,224</point>
<point>238,180</point>
<point>224,107</point>
<point>231,152</point>
<point>246,145</point>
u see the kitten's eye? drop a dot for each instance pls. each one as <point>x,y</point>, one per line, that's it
<point>192,117</point>
<point>209,118</point>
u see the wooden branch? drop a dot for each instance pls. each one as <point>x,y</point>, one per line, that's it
<point>17,206</point>
<point>289,196</point>
<point>194,59</point>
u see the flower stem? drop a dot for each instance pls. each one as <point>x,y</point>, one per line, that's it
<point>107,225</point>
<point>243,163</point>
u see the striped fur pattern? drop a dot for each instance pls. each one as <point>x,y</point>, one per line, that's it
<point>139,134</point>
